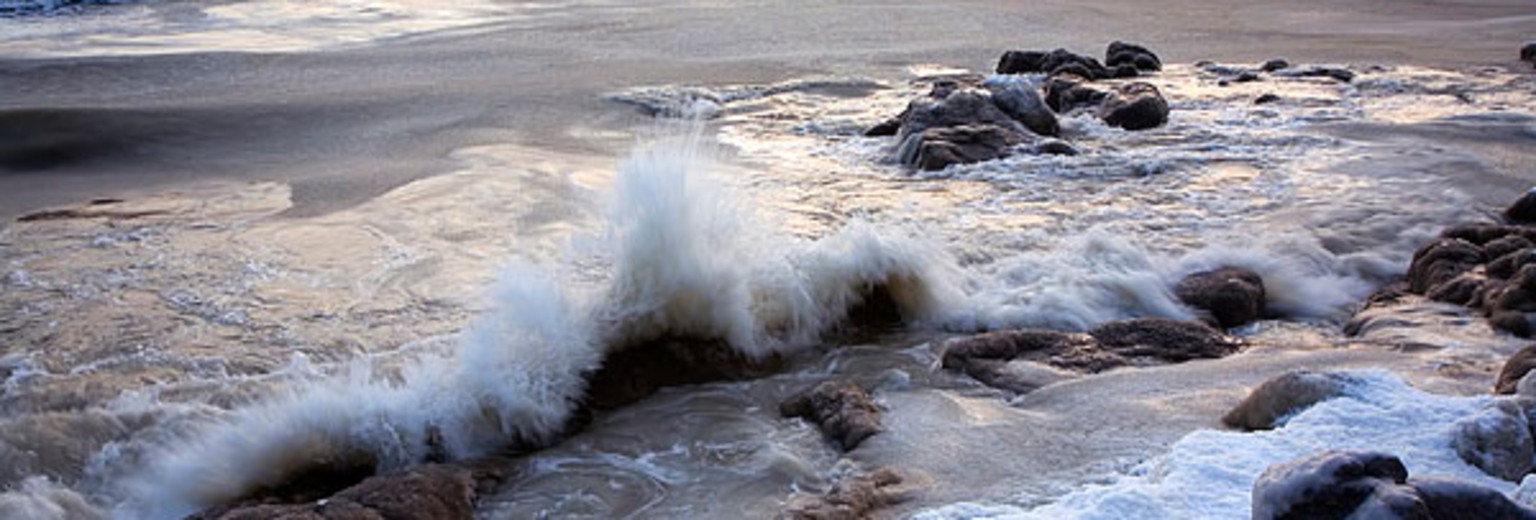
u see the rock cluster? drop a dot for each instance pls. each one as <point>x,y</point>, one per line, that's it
<point>842,409</point>
<point>1024,360</point>
<point>1334,485</point>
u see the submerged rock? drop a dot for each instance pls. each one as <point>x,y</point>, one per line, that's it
<point>1053,147</point>
<point>1496,439</point>
<point>425,492</point>
<point>1275,64</point>
<point>851,498</point>
<point>1515,368</point>
<point>1137,56</point>
<point>1284,396</point>
<point>1231,296</point>
<point>1135,106</point>
<point>1441,261</point>
<point>884,128</point>
<point>841,409</point>
<point>1065,94</point>
<point>1163,339</point>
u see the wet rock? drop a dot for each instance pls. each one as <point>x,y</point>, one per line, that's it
<point>1523,211</point>
<point>425,492</point>
<point>1065,94</point>
<point>1519,323</point>
<point>1124,71</point>
<point>633,372</point>
<point>1450,499</point>
<point>1284,396</point>
<point>841,409</point>
<point>1135,106</point>
<point>1496,439</point>
<point>1515,368</point>
<point>884,128</point>
<point>1275,64</point>
<point>1265,99</point>
<point>1518,294</point>
<point>1062,61</point>
<point>1334,485</point>
<point>1480,234</point>
<point>1440,261</point>
<point>1528,52</point>
<point>1219,69</point>
<point>1338,74</point>
<point>1461,290</point>
<point>1053,147</point>
<point>1024,105</point>
<point>1163,339</point>
<point>1020,62</point>
<point>852,498</point>
<point>961,107</point>
<point>938,148</point>
<point>1121,53</point>
<point>1246,77</point>
<point>1503,246</point>
<point>1387,295</point>
<point>1231,296</point>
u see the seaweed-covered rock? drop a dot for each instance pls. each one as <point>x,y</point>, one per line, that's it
<point>1232,296</point>
<point>1284,396</point>
<point>1135,106</point>
<point>1496,439</point>
<point>1121,53</point>
<point>841,409</point>
<point>1440,261</point>
<point>1065,94</point>
<point>1515,368</point>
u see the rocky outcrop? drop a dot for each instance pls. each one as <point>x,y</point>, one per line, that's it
<point>1024,360</point>
<point>1135,106</point>
<point>1440,262</point>
<point>851,498</point>
<point>425,492</point>
<point>1496,439</point>
<point>1021,102</point>
<point>1137,56</point>
<point>1230,296</point>
<point>1334,485</point>
<point>963,127</point>
<point>843,410</point>
<point>1266,98</point>
<point>1515,368</point>
<point>1284,396</point>
<point>1066,93</point>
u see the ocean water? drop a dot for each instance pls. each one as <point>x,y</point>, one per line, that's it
<point>184,347</point>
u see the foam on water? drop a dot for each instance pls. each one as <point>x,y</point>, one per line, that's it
<point>1210,473</point>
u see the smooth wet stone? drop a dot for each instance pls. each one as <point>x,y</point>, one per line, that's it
<point>842,410</point>
<point>1135,106</point>
<point>1515,368</point>
<point>1523,211</point>
<point>1285,396</point>
<point>1275,64</point>
<point>1065,94</point>
<point>1141,58</point>
<point>1332,485</point>
<point>1441,261</point>
<point>851,498</point>
<point>1497,439</point>
<point>1266,98</point>
<point>1231,296</point>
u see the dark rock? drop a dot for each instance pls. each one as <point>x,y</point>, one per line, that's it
<point>841,409</point>
<point>1523,211</point>
<point>1266,99</point>
<point>1121,53</point>
<point>1338,74</point>
<point>1124,71</point>
<point>1064,94</point>
<point>1528,53</point>
<point>1332,485</point>
<point>1061,61</point>
<point>1461,290</point>
<point>1054,147</point>
<point>1218,69</point>
<point>1231,296</point>
<point>960,107</point>
<point>1025,106</point>
<point>1514,322</point>
<point>939,148</point>
<point>1517,294</point>
<point>1275,64</point>
<point>1245,77</point>
<point>1506,245</point>
<point>1163,339</point>
<point>1497,439</point>
<point>852,498</point>
<point>1135,106</point>
<point>633,372</point>
<point>1441,261</point>
<point>1284,396</point>
<point>885,128</point>
<point>1020,62</point>
<point>425,492</point>
<point>1450,499</point>
<point>1387,295</point>
<point>1514,369</point>
<point>1484,233</point>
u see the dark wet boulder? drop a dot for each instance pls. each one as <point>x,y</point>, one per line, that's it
<point>853,497</point>
<point>1284,396</point>
<point>1231,296</point>
<point>633,372</point>
<point>1062,61</point>
<point>1121,53</point>
<point>1065,94</point>
<point>884,128</point>
<point>1135,106</point>
<point>1523,211</point>
<point>960,107</point>
<point>425,492</point>
<point>1503,246</point>
<point>1024,105</point>
<point>1275,64</point>
<point>1333,485</point>
<point>993,357</point>
<point>1461,290</point>
<point>1124,71</point>
<point>1451,499</point>
<point>1163,339</point>
<point>1508,265</point>
<point>1515,368</point>
<point>1496,439</point>
<point>938,148</point>
<point>1441,261</point>
<point>1246,76</point>
<point>1480,234</point>
<point>842,410</point>
<point>1266,98</point>
<point>1020,62</point>
<point>1528,52</point>
<point>1053,147</point>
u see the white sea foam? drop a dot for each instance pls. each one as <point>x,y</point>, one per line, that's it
<point>1210,474</point>
<point>38,498</point>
